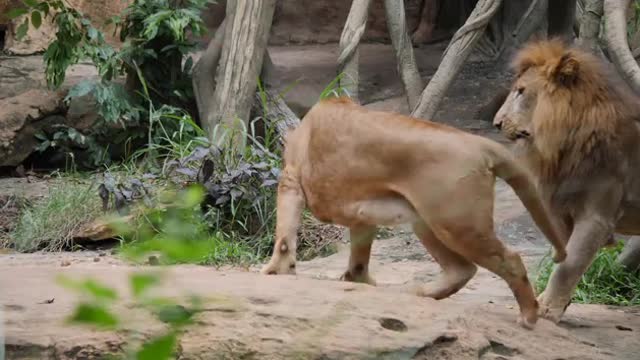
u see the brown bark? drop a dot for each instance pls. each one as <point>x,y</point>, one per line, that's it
<point>407,68</point>
<point>271,106</point>
<point>530,23</point>
<point>204,81</point>
<point>348,63</point>
<point>590,25</point>
<point>561,16</point>
<point>454,56</point>
<point>247,28</point>
<point>617,43</point>
<point>428,16</point>
<point>559,25</point>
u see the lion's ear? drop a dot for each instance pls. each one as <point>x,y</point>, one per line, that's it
<point>566,70</point>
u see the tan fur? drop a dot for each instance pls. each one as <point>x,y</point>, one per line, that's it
<point>361,169</point>
<point>575,125</point>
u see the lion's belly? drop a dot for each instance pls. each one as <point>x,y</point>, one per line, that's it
<point>357,208</point>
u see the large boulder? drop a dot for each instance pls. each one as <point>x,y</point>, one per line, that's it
<point>21,117</point>
<point>27,106</point>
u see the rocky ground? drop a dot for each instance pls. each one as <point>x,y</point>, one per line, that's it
<point>312,315</point>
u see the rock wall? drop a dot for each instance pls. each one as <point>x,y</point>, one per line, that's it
<point>295,21</point>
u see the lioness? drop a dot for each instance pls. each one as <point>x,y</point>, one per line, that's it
<point>360,168</point>
<point>576,126</point>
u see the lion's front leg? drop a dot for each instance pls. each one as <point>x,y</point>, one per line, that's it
<point>291,202</point>
<point>588,236</point>
<point>361,241</point>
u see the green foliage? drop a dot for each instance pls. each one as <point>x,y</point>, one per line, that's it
<point>140,283</point>
<point>154,59</point>
<point>334,89</point>
<point>97,312</point>
<point>155,35</point>
<point>51,223</point>
<point>96,308</point>
<point>159,348</point>
<point>94,315</point>
<point>178,229</point>
<point>605,282</point>
<point>634,24</point>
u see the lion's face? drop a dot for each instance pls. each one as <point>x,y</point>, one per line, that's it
<point>515,116</point>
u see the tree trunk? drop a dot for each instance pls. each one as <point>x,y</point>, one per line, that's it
<point>428,17</point>
<point>203,79</point>
<point>590,25</point>
<point>630,256</point>
<point>454,56</point>
<point>559,25</point>
<point>270,106</point>
<point>248,24</point>
<point>407,68</point>
<point>273,109</point>
<point>530,23</point>
<point>616,35</point>
<point>561,16</point>
<point>349,41</point>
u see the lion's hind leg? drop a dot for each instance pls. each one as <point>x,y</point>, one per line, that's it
<point>485,249</point>
<point>456,270</point>
<point>461,219</point>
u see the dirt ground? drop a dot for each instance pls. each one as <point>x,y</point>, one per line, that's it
<point>291,317</point>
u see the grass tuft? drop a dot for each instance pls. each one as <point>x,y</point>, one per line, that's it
<point>51,223</point>
<point>605,282</point>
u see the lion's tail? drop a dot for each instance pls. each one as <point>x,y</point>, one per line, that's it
<point>519,178</point>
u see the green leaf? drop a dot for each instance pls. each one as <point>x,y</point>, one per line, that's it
<point>21,31</point>
<point>40,135</point>
<point>30,3</point>
<point>36,19</point>
<point>141,282</point>
<point>14,13</point>
<point>43,146</point>
<point>160,348</point>
<point>44,7</point>
<point>92,33</point>
<point>192,197</point>
<point>100,291</point>
<point>176,315</point>
<point>91,287</point>
<point>90,314</point>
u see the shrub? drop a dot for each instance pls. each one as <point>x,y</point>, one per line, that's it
<point>156,47</point>
<point>51,223</point>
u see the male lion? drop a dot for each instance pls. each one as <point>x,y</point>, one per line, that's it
<point>577,129</point>
<point>360,168</point>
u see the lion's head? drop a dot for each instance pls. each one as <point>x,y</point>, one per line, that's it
<point>564,103</point>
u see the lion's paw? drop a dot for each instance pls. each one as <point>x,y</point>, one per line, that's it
<point>365,279</point>
<point>552,309</point>
<point>525,323</point>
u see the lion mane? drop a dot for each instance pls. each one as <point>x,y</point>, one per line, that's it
<point>582,108</point>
